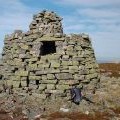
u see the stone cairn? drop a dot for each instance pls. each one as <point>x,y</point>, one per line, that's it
<point>47,23</point>
<point>47,60</point>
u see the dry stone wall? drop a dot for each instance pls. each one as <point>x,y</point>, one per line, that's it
<point>47,60</point>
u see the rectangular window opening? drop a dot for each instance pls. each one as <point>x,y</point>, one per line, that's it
<point>48,47</point>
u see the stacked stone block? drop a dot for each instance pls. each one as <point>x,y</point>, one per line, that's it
<point>71,63</point>
<point>47,23</point>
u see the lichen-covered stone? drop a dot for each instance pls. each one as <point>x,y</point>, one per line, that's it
<point>42,87</point>
<point>54,91</point>
<point>40,96</point>
<point>35,78</point>
<point>64,76</point>
<point>50,86</point>
<point>15,78</point>
<point>50,76</point>
<point>21,73</point>
<point>23,46</point>
<point>49,81</point>
<point>32,67</point>
<point>74,68</point>
<point>68,82</point>
<point>47,60</point>
<point>63,87</point>
<point>55,64</point>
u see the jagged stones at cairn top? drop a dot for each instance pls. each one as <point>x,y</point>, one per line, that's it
<point>47,23</point>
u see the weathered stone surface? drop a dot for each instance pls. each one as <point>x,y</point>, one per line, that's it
<point>54,70</point>
<point>21,73</point>
<point>63,87</point>
<point>50,86</point>
<point>41,96</point>
<point>23,78</point>
<point>15,77</point>
<point>73,69</point>
<point>54,91</point>
<point>40,72</point>
<point>44,77</point>
<point>78,77</point>
<point>33,59</point>
<point>49,81</point>
<point>64,63</point>
<point>55,64</point>
<point>46,65</point>
<point>64,76</point>
<point>15,83</point>
<point>68,82</point>
<point>50,76</point>
<point>10,82</point>
<point>23,46</point>
<point>42,87</point>
<point>75,63</point>
<point>90,76</point>
<point>48,38</point>
<point>48,61</point>
<point>35,78</point>
<point>23,83</point>
<point>48,24</point>
<point>32,67</point>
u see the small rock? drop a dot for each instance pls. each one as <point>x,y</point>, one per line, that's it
<point>64,109</point>
<point>87,112</point>
<point>37,116</point>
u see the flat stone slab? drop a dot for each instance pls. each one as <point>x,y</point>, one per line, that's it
<point>47,38</point>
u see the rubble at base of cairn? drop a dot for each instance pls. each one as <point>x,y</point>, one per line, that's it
<point>46,59</point>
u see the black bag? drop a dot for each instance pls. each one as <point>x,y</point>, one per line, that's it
<point>76,95</point>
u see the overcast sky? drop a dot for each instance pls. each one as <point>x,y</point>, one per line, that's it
<point>99,18</point>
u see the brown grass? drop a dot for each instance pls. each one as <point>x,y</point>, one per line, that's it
<point>114,68</point>
<point>80,116</point>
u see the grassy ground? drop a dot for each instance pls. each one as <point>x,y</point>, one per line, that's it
<point>80,116</point>
<point>113,68</point>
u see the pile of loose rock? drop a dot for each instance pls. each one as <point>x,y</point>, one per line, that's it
<point>47,23</point>
<point>47,61</point>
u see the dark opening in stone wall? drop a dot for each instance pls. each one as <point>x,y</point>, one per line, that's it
<point>48,47</point>
<point>37,82</point>
<point>27,82</point>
